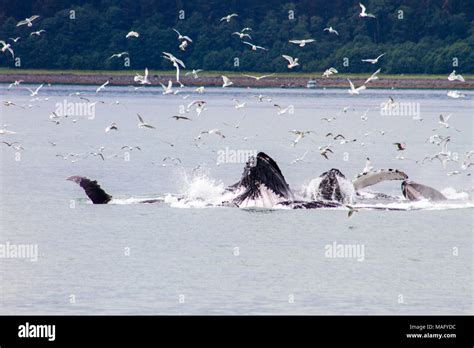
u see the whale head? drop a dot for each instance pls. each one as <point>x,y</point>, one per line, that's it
<point>262,184</point>
<point>414,191</point>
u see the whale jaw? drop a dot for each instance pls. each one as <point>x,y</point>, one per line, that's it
<point>262,184</point>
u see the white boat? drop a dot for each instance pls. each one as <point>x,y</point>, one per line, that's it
<point>311,84</point>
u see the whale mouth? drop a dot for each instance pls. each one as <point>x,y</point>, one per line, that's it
<point>262,184</point>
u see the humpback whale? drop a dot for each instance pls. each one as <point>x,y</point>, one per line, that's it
<point>414,191</point>
<point>92,189</point>
<point>262,182</point>
<point>263,185</point>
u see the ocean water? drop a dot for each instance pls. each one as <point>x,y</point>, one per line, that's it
<point>191,256</point>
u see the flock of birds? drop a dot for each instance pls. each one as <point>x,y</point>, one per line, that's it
<point>199,106</point>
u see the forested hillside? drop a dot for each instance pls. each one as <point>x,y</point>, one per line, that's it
<point>418,36</point>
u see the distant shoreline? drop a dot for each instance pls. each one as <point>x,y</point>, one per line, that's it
<point>279,80</point>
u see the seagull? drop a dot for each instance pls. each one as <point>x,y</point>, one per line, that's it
<point>363,12</point>
<point>432,139</point>
<point>239,104</point>
<point>373,77</point>
<point>300,135</point>
<point>211,131</point>
<point>281,110</point>
<point>323,151</point>
<point>400,146</point>
<point>101,87</point>
<point>443,121</point>
<point>113,126</point>
<point>130,148</point>
<point>452,76</point>
<point>328,119</point>
<point>10,103</point>
<point>455,172</point>
<point>15,145</point>
<point>167,89</point>
<point>299,159</point>
<point>226,81</point>
<point>258,78</point>
<point>292,61</point>
<point>200,106</point>
<point>142,79</point>
<point>98,154</point>
<point>331,30</point>
<point>455,94</point>
<point>132,34</point>
<point>241,35</point>
<point>200,89</point>
<point>176,63</point>
<point>354,90</point>
<point>7,47</point>
<point>301,43</point>
<point>27,21</point>
<point>228,17</point>
<point>184,40</point>
<point>175,160</point>
<point>466,164</point>
<point>255,47</point>
<point>143,124</point>
<point>37,33</point>
<point>6,131</point>
<point>182,37</point>
<point>118,55</point>
<point>373,61</point>
<point>177,118</point>
<point>15,40</point>
<point>329,72</point>
<point>364,116</point>
<point>194,73</point>
<point>351,211</point>
<point>35,92</point>
<point>368,168</point>
<point>261,98</point>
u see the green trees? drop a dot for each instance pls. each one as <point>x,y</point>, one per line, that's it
<point>417,36</point>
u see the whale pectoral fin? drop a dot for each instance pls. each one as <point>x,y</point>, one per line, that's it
<point>92,189</point>
<point>372,178</point>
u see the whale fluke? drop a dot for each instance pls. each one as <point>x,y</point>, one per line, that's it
<point>262,183</point>
<point>414,191</point>
<point>372,178</point>
<point>92,189</point>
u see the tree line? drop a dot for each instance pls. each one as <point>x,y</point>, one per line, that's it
<point>418,36</point>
